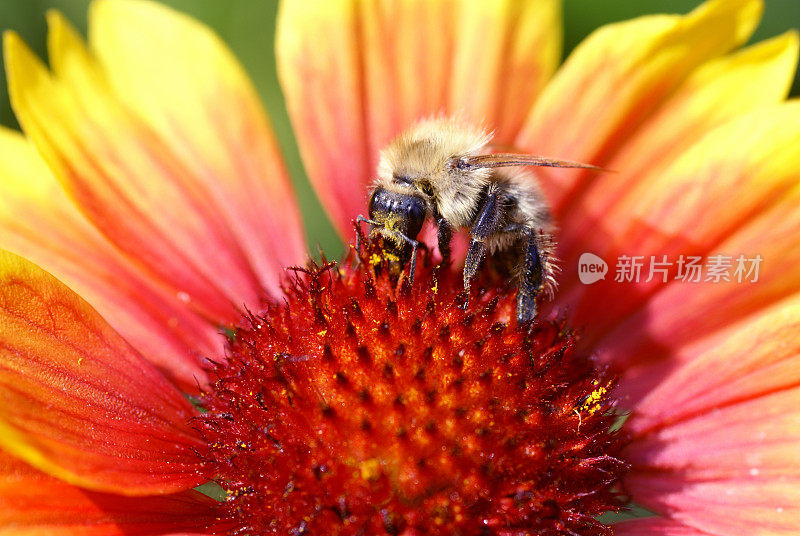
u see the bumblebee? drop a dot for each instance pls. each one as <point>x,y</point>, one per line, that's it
<point>442,168</point>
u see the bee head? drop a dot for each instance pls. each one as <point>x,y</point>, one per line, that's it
<point>400,216</point>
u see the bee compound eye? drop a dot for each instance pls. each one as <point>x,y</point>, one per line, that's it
<point>415,214</point>
<point>378,202</point>
<point>371,204</point>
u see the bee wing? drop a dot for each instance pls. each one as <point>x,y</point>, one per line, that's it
<point>512,159</point>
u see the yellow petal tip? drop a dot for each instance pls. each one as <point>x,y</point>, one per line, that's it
<point>789,43</point>
<point>792,38</point>
<point>53,15</point>
<point>22,64</point>
<point>11,42</point>
<point>746,14</point>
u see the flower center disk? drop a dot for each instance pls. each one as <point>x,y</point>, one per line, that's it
<point>366,405</point>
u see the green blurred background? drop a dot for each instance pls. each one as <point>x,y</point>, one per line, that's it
<point>248,26</point>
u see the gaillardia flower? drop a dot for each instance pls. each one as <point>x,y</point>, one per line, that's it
<point>153,343</point>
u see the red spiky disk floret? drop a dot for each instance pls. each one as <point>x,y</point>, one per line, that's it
<point>368,406</point>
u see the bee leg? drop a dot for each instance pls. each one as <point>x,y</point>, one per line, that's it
<point>413,269</point>
<point>475,254</point>
<point>531,277</point>
<point>485,225</point>
<point>445,235</point>
<point>359,220</point>
<point>415,244</point>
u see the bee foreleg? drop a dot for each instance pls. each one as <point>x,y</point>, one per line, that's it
<point>415,244</point>
<point>359,220</point>
<point>486,224</point>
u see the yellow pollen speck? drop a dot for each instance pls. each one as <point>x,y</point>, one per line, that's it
<point>322,333</point>
<point>390,221</point>
<point>375,259</point>
<point>592,403</point>
<point>391,256</point>
<point>80,360</point>
<point>370,469</point>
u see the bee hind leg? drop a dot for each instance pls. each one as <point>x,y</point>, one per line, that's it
<point>445,236</point>
<point>531,276</point>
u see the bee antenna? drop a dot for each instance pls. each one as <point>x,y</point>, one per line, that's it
<point>496,160</point>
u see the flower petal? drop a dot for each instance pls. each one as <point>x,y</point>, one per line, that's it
<point>124,178</point>
<point>754,437</point>
<point>33,504</point>
<point>182,80</point>
<point>655,526</point>
<point>715,442</point>
<point>76,401</point>
<point>737,189</point>
<point>717,91</point>
<point>735,507</point>
<point>39,222</point>
<point>617,77</point>
<point>747,359</point>
<point>355,74</point>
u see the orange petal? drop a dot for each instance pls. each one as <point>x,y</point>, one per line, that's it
<point>733,193</point>
<point>675,312</point>
<point>355,74</point>
<point>76,401</point>
<point>619,76</point>
<point>716,439</point>
<point>721,89</point>
<point>125,178</point>
<point>747,359</point>
<point>755,437</point>
<point>655,526</point>
<point>39,222</point>
<point>34,504</point>
<point>187,86</point>
<point>734,507</point>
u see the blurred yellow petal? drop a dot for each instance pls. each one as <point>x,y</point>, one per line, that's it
<point>320,71</point>
<point>39,222</point>
<point>617,77</point>
<point>180,78</point>
<point>124,177</point>
<point>718,91</point>
<point>486,61</point>
<point>355,74</point>
<point>734,192</point>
